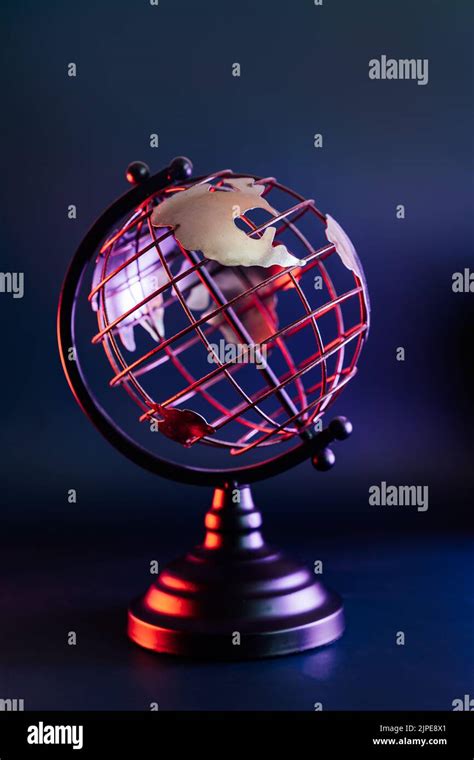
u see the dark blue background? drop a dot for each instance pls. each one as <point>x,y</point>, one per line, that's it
<point>167,69</point>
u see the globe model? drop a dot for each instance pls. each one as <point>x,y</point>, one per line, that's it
<point>232,311</point>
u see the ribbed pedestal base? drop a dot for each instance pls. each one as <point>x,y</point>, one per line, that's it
<point>234,597</point>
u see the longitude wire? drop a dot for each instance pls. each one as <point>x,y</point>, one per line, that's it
<point>335,389</point>
<point>291,225</point>
<point>231,318</point>
<point>135,395</point>
<point>222,409</point>
<point>318,385</point>
<point>154,294</point>
<point>136,218</point>
<point>122,266</point>
<point>363,310</point>
<point>281,343</point>
<point>330,395</point>
<point>102,316</point>
<point>287,212</point>
<point>339,316</point>
<point>182,369</point>
<point>132,379</point>
<point>285,379</point>
<point>291,368</point>
<point>302,369</point>
<point>240,329</point>
<point>314,402</point>
<point>150,296</point>
<point>200,389</point>
<point>193,323</point>
<point>340,326</point>
<point>119,356</point>
<point>254,444</point>
<point>260,303</point>
<point>327,279</point>
<point>312,363</point>
<point>190,379</point>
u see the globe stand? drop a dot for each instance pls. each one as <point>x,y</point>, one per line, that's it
<point>233,596</point>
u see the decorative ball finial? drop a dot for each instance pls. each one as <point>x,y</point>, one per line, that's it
<point>340,428</point>
<point>323,460</point>
<point>180,168</point>
<point>137,172</point>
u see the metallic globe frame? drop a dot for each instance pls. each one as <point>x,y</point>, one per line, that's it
<point>233,596</point>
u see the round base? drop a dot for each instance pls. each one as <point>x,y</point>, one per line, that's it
<point>245,604</point>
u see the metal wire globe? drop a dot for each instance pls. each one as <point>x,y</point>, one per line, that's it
<point>237,357</point>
